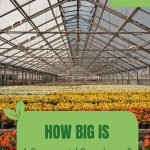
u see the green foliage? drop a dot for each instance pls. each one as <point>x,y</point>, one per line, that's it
<point>14,115</point>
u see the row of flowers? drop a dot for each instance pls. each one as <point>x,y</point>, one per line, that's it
<point>136,102</point>
<point>38,90</point>
<point>8,141</point>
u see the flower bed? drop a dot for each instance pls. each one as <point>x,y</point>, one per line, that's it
<point>137,102</point>
<point>147,142</point>
<point>8,140</point>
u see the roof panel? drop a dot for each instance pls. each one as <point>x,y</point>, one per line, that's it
<point>37,48</point>
<point>8,6</point>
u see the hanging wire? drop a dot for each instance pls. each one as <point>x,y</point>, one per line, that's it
<point>56,11</point>
<point>29,16</point>
<point>14,36</point>
<point>109,25</point>
<point>109,30</point>
<point>46,54</point>
<point>29,7</point>
<point>46,21</point>
<point>126,44</point>
<point>26,33</point>
<point>127,26</point>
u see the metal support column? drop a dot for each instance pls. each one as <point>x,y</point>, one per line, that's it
<point>128,79</point>
<point>32,77</point>
<point>122,79</point>
<point>137,77</point>
<point>5,77</point>
<point>25,77</point>
<point>148,68</point>
<point>13,76</point>
<point>0,76</point>
<point>22,77</point>
<point>17,76</point>
<point>29,77</point>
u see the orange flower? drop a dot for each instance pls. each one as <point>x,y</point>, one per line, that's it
<point>146,141</point>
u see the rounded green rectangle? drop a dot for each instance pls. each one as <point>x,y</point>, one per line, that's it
<point>77,131</point>
<point>130,3</point>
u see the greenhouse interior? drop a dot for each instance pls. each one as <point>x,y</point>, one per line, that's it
<point>77,51</point>
<point>48,41</point>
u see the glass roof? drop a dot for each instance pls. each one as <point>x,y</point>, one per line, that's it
<point>56,35</point>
